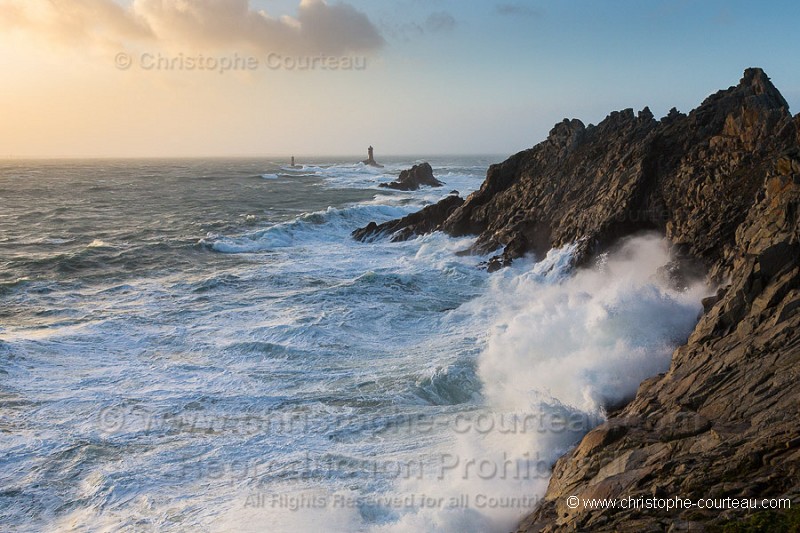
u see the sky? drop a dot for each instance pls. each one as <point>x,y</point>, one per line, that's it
<point>210,78</point>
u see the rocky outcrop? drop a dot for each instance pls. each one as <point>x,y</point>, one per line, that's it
<point>419,223</point>
<point>594,184</point>
<point>414,178</point>
<point>723,184</point>
<point>723,421</point>
<point>630,172</point>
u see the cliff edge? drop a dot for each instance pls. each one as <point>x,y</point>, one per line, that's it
<point>723,184</point>
<point>722,422</point>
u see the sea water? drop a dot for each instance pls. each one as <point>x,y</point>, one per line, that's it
<point>199,345</point>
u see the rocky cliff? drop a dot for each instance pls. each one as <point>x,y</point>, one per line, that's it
<point>723,421</point>
<point>723,184</point>
<point>593,184</point>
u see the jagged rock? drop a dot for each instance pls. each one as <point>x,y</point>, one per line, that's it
<point>723,183</point>
<point>419,223</point>
<point>413,178</point>
<point>595,184</point>
<point>727,410</point>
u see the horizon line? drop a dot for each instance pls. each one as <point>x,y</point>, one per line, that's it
<point>356,157</point>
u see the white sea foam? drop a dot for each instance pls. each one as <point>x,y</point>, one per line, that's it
<point>556,346</point>
<point>147,402</point>
<point>562,346</point>
<point>333,224</point>
<point>98,243</point>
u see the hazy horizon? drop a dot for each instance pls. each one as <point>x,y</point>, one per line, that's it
<point>272,78</point>
<point>277,158</point>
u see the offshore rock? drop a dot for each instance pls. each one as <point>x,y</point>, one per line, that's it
<point>414,178</point>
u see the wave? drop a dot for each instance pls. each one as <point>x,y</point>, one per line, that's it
<point>563,345</point>
<point>537,357</point>
<point>99,243</point>
<point>366,344</point>
<point>331,224</point>
<point>200,350</point>
<point>453,385</point>
<point>267,350</point>
<point>334,224</point>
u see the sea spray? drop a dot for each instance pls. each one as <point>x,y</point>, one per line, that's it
<point>557,346</point>
<point>561,347</point>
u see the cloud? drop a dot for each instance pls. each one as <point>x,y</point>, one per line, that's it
<point>440,21</point>
<point>74,22</point>
<point>517,10</point>
<point>317,28</point>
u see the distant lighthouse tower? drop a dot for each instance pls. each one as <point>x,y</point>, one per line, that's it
<point>371,159</point>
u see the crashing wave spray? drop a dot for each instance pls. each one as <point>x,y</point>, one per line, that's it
<point>562,347</point>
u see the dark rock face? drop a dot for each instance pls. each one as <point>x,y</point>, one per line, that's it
<point>414,178</point>
<point>630,172</point>
<point>723,183</point>
<point>723,421</point>
<point>419,223</point>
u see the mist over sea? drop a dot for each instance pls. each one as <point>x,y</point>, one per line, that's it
<point>199,345</point>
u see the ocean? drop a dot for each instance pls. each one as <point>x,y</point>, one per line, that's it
<point>199,345</point>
